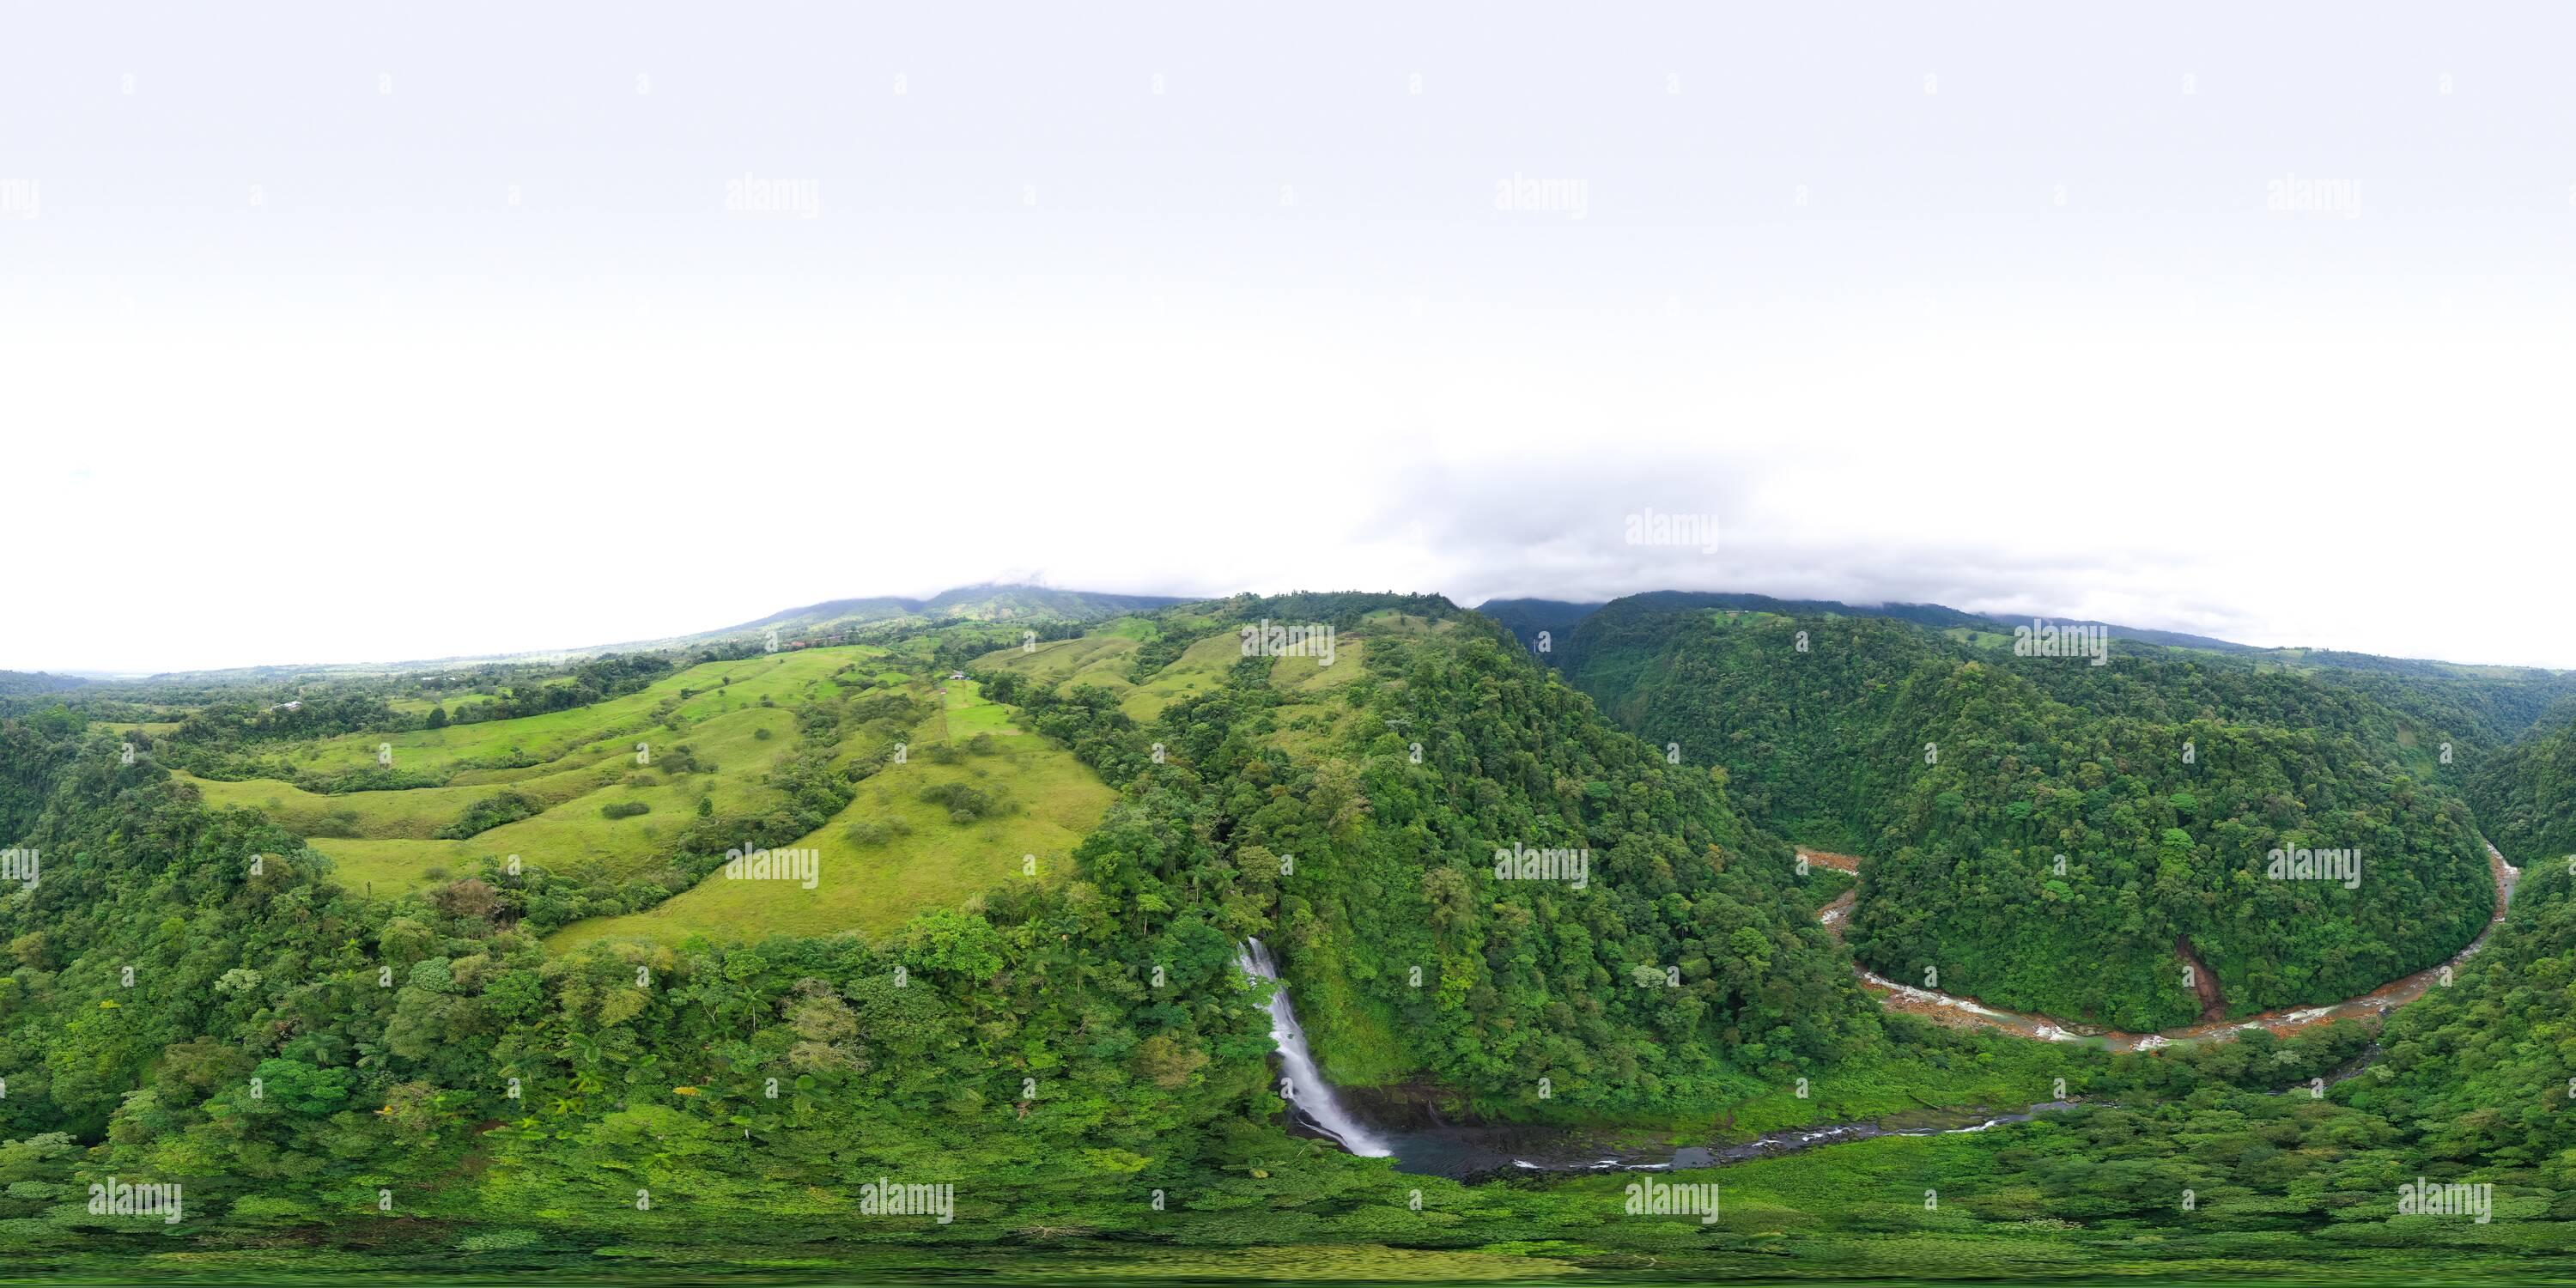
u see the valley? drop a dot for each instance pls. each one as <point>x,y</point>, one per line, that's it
<point>1967,1012</point>
<point>2027,813</point>
<point>1021,901</point>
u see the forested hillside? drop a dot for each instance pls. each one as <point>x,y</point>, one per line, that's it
<point>2163,778</point>
<point>1019,605</point>
<point>27,683</point>
<point>2526,793</point>
<point>2481,1067</point>
<point>1537,622</point>
<point>1361,811</point>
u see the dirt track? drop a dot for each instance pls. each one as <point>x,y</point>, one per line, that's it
<point>1967,1012</point>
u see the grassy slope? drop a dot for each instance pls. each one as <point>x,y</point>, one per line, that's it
<point>1103,657</point>
<point>1052,801</point>
<point>585,760</point>
<point>575,834</point>
<point>604,729</point>
<point>1091,659</point>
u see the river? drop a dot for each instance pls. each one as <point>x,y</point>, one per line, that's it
<point>1967,1012</point>
<point>1482,1151</point>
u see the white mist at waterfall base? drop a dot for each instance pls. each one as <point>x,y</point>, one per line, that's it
<point>1309,1096</point>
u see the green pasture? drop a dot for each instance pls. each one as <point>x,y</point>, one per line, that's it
<point>702,692</point>
<point>924,860</point>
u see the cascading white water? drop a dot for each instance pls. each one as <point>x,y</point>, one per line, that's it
<point>1308,1095</point>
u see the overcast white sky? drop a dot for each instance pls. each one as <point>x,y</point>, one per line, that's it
<point>374,331</point>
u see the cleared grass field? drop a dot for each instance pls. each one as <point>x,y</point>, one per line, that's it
<point>1131,628</point>
<point>1304,675</point>
<point>889,855</point>
<point>1395,621</point>
<point>574,837</point>
<point>384,869</point>
<point>387,840</point>
<point>412,814</point>
<point>970,714</point>
<point>1200,668</point>
<point>415,814</point>
<point>1103,658</point>
<point>924,860</point>
<point>606,728</point>
<point>1092,659</point>
<point>454,703</point>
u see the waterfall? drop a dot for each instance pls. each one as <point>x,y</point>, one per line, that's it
<point>1309,1097</point>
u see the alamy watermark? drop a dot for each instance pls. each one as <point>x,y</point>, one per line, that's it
<point>2046,639</point>
<point>2315,865</point>
<point>882,1197</point>
<point>20,866</point>
<point>2291,194</point>
<point>1521,863</point>
<point>802,198</point>
<point>1543,196</point>
<point>2420,1197</point>
<point>1272,639</point>
<point>1651,1197</point>
<point>116,1198</point>
<point>804,867</point>
<point>24,198</point>
<point>1653,529</point>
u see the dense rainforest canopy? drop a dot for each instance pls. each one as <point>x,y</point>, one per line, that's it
<point>2050,834</point>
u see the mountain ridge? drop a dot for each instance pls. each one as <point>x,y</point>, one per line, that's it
<point>1015,601</point>
<point>1940,616</point>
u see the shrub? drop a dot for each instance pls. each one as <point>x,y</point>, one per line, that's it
<point>624,809</point>
<point>491,812</point>
<point>339,823</point>
<point>963,803</point>
<point>870,831</point>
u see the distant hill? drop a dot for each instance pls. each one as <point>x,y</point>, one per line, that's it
<point>1526,618</point>
<point>16,684</point>
<point>2140,634</point>
<point>990,602</point>
<point>1933,615</point>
